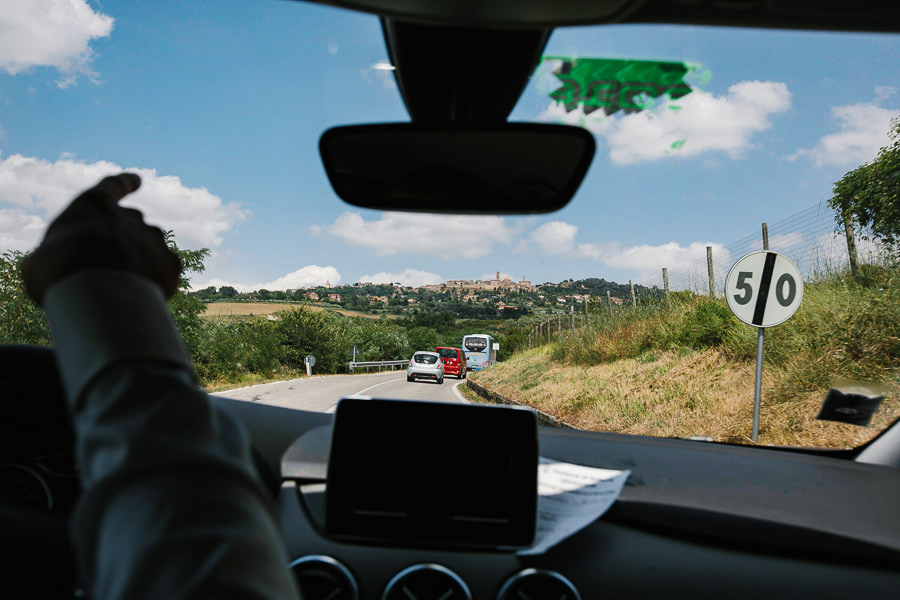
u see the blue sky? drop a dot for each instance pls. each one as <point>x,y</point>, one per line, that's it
<point>219,106</point>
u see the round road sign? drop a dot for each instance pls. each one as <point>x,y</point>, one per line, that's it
<point>311,360</point>
<point>764,289</point>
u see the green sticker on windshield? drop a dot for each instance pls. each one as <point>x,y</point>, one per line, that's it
<point>616,84</point>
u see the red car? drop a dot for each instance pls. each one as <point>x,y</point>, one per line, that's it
<point>454,360</point>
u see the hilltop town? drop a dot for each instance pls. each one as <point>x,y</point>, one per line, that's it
<point>474,299</point>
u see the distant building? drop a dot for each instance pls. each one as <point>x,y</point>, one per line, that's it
<point>505,284</point>
<point>334,297</point>
<point>312,296</point>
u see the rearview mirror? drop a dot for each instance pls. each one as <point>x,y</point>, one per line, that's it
<point>510,168</point>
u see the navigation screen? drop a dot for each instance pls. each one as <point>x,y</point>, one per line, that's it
<point>476,344</point>
<point>432,473</point>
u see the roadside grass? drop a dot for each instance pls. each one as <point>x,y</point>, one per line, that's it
<point>686,367</point>
<point>248,379</point>
<point>681,394</point>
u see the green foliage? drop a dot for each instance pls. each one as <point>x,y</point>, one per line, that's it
<point>423,338</point>
<point>870,194</point>
<point>21,320</point>
<point>186,309</point>
<point>321,333</point>
<point>230,349</point>
<point>843,329</point>
<point>705,324</point>
<point>687,320</point>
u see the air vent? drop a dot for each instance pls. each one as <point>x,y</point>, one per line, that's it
<point>324,578</point>
<point>534,584</point>
<point>426,582</point>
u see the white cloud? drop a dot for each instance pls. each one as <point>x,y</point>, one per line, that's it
<point>558,237</point>
<point>410,277</point>
<point>786,241</point>
<point>308,276</point>
<point>883,92</point>
<point>863,131</point>
<point>555,237</point>
<point>19,230</point>
<point>446,236</point>
<point>595,251</point>
<point>702,123</point>
<point>42,189</point>
<point>647,258</point>
<point>52,33</point>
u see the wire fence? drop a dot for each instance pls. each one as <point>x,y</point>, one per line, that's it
<point>810,238</point>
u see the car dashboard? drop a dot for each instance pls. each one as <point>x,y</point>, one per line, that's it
<point>693,518</point>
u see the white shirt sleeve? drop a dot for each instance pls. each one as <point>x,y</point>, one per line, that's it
<point>172,507</point>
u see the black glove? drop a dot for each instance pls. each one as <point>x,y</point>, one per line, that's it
<point>94,232</point>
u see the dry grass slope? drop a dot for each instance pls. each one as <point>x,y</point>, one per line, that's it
<point>686,367</point>
<point>675,394</point>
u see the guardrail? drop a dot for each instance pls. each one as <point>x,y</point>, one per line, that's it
<point>378,363</point>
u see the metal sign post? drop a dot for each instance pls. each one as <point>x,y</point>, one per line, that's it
<point>310,360</point>
<point>757,388</point>
<point>763,289</point>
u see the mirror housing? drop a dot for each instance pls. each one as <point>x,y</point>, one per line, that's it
<point>508,168</point>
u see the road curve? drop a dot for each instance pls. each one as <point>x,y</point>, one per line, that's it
<point>321,393</point>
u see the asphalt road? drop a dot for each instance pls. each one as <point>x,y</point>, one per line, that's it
<point>321,393</point>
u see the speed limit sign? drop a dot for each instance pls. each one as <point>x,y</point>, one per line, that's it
<point>764,289</point>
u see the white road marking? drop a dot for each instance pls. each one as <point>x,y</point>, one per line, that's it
<point>458,393</point>
<point>363,391</point>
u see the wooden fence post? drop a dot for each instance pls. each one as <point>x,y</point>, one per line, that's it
<point>666,282</point>
<point>633,301</point>
<point>851,245</point>
<point>712,275</point>
<point>609,303</point>
<point>765,231</point>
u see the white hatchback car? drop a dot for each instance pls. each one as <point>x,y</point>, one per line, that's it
<point>425,365</point>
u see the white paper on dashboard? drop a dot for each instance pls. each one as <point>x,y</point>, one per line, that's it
<point>571,497</point>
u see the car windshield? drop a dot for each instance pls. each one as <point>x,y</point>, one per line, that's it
<point>617,313</point>
<point>448,352</point>
<point>425,359</point>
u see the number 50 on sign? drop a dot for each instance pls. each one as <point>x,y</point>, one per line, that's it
<point>764,289</point>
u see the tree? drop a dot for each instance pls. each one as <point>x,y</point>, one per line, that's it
<point>186,309</point>
<point>870,195</point>
<point>21,320</point>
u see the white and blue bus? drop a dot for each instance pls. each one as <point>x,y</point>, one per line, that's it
<point>481,351</point>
